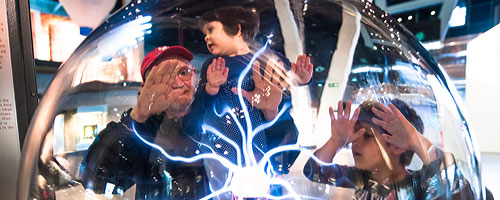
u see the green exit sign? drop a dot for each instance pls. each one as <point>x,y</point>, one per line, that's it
<point>420,36</point>
<point>333,84</point>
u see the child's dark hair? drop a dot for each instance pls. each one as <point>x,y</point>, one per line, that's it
<point>410,114</point>
<point>231,17</point>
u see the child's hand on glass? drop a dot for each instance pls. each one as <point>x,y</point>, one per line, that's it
<point>403,134</point>
<point>268,90</point>
<point>303,69</point>
<point>342,127</point>
<point>216,75</point>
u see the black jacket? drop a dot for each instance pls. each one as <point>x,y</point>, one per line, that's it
<point>119,158</point>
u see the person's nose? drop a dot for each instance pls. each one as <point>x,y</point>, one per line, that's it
<point>356,142</point>
<point>206,38</point>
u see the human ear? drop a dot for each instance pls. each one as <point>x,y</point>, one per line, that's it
<point>239,30</point>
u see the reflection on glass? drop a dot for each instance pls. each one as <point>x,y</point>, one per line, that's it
<point>252,122</point>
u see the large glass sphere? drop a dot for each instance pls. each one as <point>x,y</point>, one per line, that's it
<point>258,126</point>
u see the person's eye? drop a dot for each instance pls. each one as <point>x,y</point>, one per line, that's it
<point>367,136</point>
<point>183,72</point>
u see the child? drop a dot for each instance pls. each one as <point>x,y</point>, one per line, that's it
<point>228,34</point>
<point>384,140</point>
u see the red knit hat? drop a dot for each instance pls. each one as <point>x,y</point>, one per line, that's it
<point>163,52</point>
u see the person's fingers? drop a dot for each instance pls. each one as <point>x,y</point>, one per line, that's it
<point>162,105</point>
<point>160,102</point>
<point>171,80</point>
<point>219,64</point>
<point>279,65</point>
<point>340,110</point>
<point>357,134</point>
<point>289,82</point>
<point>347,112</point>
<point>160,89</point>
<point>280,70</point>
<point>222,64</point>
<point>247,95</point>
<point>216,65</point>
<point>310,68</point>
<point>158,75</point>
<point>380,123</point>
<point>379,113</point>
<point>284,84</point>
<point>211,66</point>
<point>225,72</point>
<point>297,64</point>
<point>309,65</point>
<point>294,68</point>
<point>162,70</point>
<point>332,113</point>
<point>301,60</point>
<point>157,105</point>
<point>171,66</point>
<point>156,91</point>
<point>257,76</point>
<point>275,81</point>
<point>166,78</point>
<point>383,108</point>
<point>355,115</point>
<point>150,78</point>
<point>280,77</point>
<point>396,111</point>
<point>269,69</point>
<point>388,138</point>
<point>172,96</point>
<point>235,90</point>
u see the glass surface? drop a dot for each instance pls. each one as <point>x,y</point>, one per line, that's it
<point>84,143</point>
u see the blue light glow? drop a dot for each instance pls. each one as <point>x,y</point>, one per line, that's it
<point>236,173</point>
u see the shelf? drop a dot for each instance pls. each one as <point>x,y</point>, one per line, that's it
<point>44,66</point>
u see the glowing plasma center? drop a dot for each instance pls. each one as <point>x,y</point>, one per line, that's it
<point>250,182</point>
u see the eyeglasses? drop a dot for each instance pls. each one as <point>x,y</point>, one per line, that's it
<point>186,73</point>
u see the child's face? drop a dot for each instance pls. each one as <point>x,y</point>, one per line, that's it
<point>218,42</point>
<point>366,151</point>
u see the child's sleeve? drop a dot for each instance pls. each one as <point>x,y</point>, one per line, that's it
<point>336,175</point>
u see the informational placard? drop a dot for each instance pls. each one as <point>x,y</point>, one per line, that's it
<point>8,123</point>
<point>9,136</point>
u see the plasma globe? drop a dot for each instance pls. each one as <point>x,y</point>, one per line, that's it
<point>255,177</point>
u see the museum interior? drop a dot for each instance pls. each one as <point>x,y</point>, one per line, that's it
<point>74,73</point>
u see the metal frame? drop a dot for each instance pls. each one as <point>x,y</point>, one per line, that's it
<point>23,68</point>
